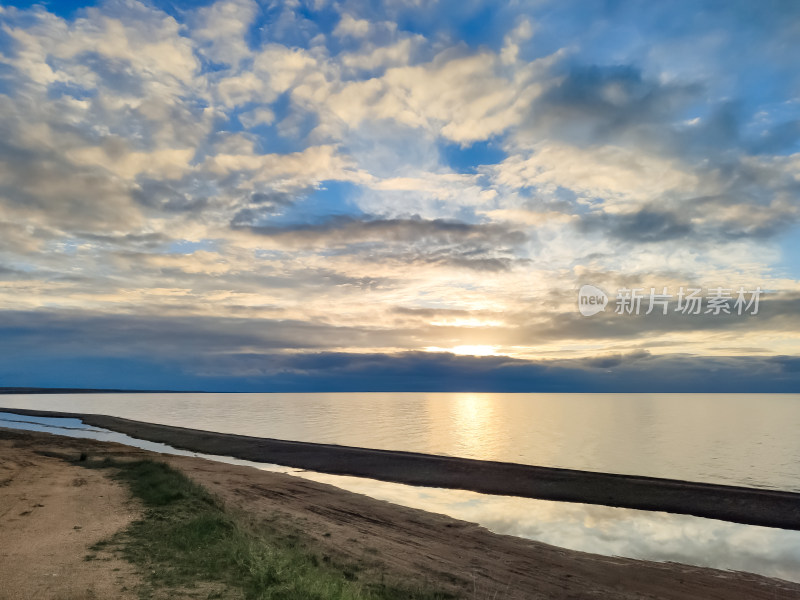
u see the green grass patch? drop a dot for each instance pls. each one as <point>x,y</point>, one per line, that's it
<point>187,538</point>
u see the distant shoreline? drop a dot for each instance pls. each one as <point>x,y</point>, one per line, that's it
<point>750,506</point>
<point>37,390</point>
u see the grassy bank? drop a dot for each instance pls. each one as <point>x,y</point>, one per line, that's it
<point>187,540</point>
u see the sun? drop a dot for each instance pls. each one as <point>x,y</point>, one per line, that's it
<point>466,350</point>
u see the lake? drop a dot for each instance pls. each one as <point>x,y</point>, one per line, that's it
<point>739,439</point>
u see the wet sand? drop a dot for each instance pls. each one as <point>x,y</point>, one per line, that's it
<point>748,506</point>
<point>390,541</point>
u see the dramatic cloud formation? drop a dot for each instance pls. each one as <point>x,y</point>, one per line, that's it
<point>348,195</point>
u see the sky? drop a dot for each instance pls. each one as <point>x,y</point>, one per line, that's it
<point>351,195</point>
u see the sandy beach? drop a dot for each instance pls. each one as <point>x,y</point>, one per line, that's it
<point>54,510</point>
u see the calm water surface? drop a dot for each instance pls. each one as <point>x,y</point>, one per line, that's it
<point>749,440</point>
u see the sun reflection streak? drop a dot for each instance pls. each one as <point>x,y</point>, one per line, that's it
<point>475,427</point>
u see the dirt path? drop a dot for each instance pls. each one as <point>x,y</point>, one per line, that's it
<point>50,513</point>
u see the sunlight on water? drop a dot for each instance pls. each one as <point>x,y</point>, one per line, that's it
<point>474,425</point>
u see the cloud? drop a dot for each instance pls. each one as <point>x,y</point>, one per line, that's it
<point>479,246</point>
<point>645,225</point>
<point>202,354</point>
<point>606,105</point>
<point>615,176</point>
<point>113,38</point>
<point>156,193</point>
<point>373,58</point>
<point>350,26</point>
<point>220,30</point>
<point>305,170</point>
<point>297,169</point>
<point>462,97</point>
<point>45,187</point>
<point>350,230</point>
